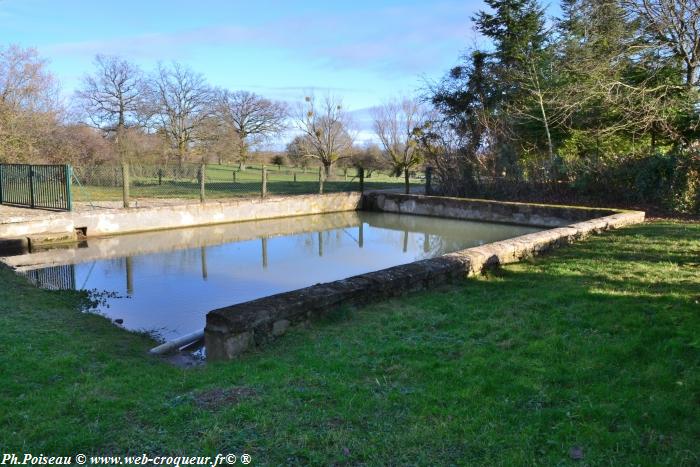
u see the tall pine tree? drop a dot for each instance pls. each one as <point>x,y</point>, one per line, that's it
<point>516,28</point>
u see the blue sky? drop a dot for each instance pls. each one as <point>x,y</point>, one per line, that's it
<point>365,51</point>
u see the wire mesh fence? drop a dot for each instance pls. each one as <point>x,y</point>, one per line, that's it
<point>110,185</point>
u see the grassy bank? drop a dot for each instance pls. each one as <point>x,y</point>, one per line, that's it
<point>591,351</point>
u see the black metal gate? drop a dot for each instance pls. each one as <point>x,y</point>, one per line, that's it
<point>36,186</point>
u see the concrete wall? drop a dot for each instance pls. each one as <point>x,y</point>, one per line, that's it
<point>117,221</point>
<point>541,215</point>
<point>234,329</point>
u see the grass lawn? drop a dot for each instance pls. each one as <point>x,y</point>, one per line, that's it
<point>220,183</point>
<point>593,347</point>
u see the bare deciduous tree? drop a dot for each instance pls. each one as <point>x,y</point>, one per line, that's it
<point>325,125</point>
<point>368,158</point>
<point>296,152</point>
<point>532,82</point>
<point>25,83</point>
<point>450,156</point>
<point>82,144</point>
<point>111,99</point>
<point>217,141</point>
<point>180,103</point>
<point>112,96</point>
<point>675,24</point>
<point>29,106</point>
<point>251,116</point>
<point>398,126</point>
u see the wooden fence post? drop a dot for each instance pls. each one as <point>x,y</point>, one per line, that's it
<point>202,181</point>
<point>362,179</point>
<point>125,184</point>
<point>263,188</point>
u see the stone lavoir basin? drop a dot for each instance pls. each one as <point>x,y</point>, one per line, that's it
<point>166,281</point>
<point>267,265</point>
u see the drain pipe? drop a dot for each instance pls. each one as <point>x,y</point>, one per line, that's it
<point>175,344</point>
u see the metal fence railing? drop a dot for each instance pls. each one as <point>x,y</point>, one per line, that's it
<point>36,186</point>
<point>128,184</point>
<point>53,277</point>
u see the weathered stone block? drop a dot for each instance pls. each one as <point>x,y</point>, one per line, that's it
<point>51,238</point>
<point>237,344</point>
<point>280,327</point>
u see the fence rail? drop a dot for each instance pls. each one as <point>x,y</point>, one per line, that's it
<point>36,186</point>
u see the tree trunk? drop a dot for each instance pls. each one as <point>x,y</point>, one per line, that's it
<point>181,154</point>
<point>545,121</point>
<point>180,160</point>
<point>692,75</point>
<point>243,156</point>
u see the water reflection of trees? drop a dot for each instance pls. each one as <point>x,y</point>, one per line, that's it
<point>418,238</point>
<point>318,243</point>
<point>424,245</point>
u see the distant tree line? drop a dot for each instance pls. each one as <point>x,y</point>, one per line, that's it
<point>172,115</point>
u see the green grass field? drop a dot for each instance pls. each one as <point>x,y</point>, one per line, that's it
<point>222,183</point>
<point>591,351</point>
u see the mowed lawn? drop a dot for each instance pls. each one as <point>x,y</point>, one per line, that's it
<point>226,181</point>
<point>590,352</point>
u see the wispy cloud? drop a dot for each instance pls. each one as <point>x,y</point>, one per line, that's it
<point>399,39</point>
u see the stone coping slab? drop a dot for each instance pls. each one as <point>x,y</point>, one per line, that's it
<point>540,215</point>
<point>232,330</point>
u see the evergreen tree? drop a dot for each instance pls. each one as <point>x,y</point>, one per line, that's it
<point>516,29</point>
